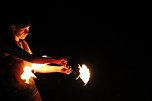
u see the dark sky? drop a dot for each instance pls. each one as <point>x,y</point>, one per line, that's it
<point>102,38</point>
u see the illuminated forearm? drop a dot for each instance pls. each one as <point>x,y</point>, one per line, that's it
<point>48,69</point>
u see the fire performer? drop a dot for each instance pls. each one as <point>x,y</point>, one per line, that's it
<point>15,54</point>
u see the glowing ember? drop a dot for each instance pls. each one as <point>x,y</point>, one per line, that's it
<point>27,74</point>
<point>84,73</point>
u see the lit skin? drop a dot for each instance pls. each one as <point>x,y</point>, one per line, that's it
<point>21,33</point>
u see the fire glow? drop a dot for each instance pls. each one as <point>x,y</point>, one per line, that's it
<point>84,73</point>
<point>30,70</point>
<point>27,74</point>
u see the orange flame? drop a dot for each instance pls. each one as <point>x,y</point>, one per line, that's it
<point>84,73</point>
<point>27,74</point>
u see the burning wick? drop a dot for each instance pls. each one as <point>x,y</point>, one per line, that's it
<point>84,73</point>
<point>27,74</point>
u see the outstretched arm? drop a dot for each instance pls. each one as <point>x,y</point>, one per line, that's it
<point>53,69</point>
<point>13,49</point>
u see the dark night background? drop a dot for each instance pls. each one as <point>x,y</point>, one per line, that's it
<point>101,36</point>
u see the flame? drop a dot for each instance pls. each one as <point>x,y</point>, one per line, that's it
<point>84,73</point>
<point>27,74</point>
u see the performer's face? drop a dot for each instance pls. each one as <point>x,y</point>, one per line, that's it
<point>21,33</point>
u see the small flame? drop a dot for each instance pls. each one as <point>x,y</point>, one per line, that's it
<point>27,74</point>
<point>84,73</point>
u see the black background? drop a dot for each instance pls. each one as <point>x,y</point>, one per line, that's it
<point>103,36</point>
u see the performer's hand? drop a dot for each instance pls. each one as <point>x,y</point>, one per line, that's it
<point>61,61</point>
<point>66,70</point>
